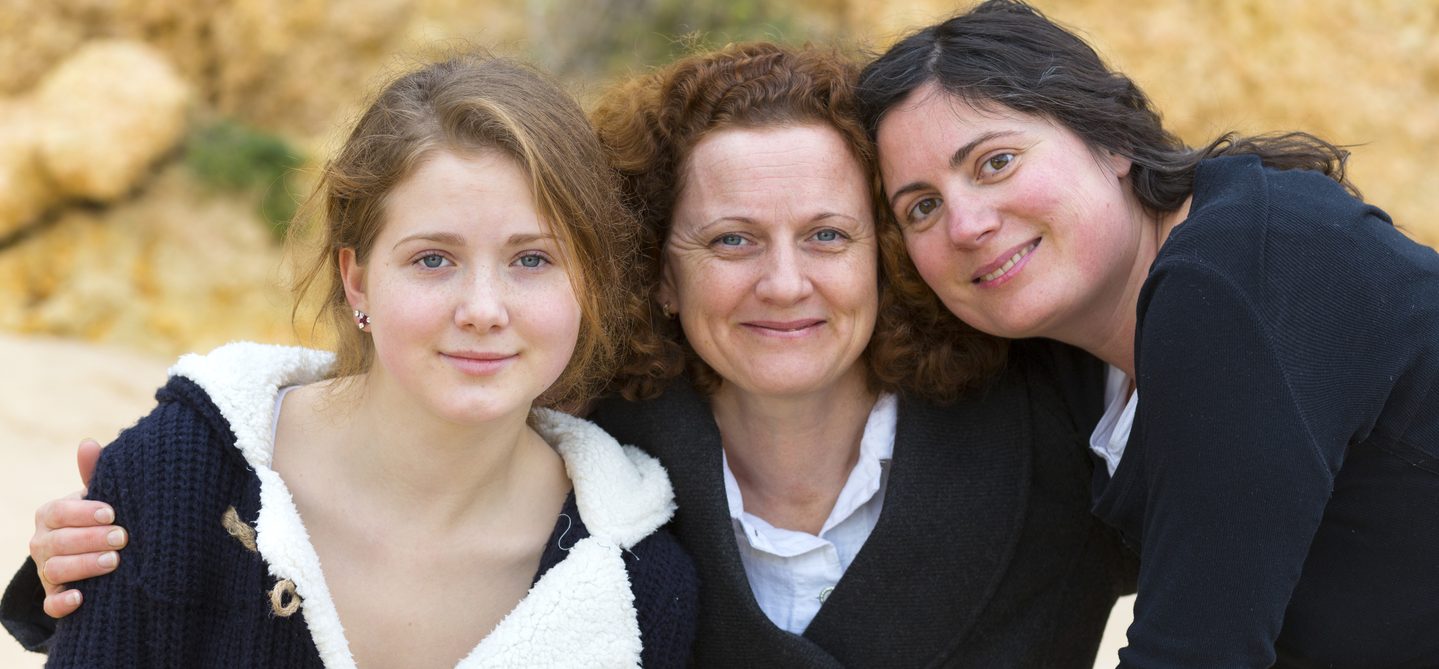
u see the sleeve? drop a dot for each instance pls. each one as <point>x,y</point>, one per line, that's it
<point>22,611</point>
<point>1235,483</point>
<point>666,592</point>
<point>137,616</point>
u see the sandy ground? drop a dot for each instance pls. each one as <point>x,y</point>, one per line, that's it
<point>57,392</point>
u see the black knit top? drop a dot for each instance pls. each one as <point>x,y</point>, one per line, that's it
<point>1282,476</point>
<point>189,593</point>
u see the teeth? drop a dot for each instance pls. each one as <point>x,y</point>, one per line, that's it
<point>1008,264</point>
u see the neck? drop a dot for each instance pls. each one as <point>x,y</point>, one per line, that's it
<point>791,455</point>
<point>1111,338</point>
<point>426,472</point>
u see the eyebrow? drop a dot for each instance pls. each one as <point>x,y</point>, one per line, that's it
<point>821,216</point>
<point>955,161</point>
<point>452,239</point>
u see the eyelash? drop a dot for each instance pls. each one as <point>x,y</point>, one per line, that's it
<point>544,259</point>
<point>421,260</point>
<point>988,163</point>
<point>519,260</point>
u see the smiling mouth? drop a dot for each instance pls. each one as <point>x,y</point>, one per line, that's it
<point>479,364</point>
<point>1008,264</point>
<point>784,327</point>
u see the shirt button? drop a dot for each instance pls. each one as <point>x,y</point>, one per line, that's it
<point>824,594</point>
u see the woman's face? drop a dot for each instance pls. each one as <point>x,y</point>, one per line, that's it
<point>1019,227</point>
<point>772,261</point>
<point>472,311</point>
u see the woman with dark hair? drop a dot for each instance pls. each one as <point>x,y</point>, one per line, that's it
<point>1279,475</point>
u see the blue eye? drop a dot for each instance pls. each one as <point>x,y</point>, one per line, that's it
<point>826,235</point>
<point>432,260</point>
<point>532,260</point>
<point>731,240</point>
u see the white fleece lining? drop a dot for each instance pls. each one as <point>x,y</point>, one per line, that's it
<point>580,614</point>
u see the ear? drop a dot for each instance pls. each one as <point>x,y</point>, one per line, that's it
<point>352,277</point>
<point>666,293</point>
<point>1118,163</point>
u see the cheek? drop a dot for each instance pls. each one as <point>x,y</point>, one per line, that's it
<point>712,289</point>
<point>930,255</point>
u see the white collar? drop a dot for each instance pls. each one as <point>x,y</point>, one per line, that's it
<point>1111,435</point>
<point>876,449</point>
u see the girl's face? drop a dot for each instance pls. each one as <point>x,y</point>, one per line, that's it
<point>471,308</point>
<point>772,260</point>
<point>1016,224</point>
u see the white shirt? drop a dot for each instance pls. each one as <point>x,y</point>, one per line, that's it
<point>790,572</point>
<point>1111,435</point>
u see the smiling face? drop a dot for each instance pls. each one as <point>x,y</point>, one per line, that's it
<point>771,261</point>
<point>472,311</point>
<point>1019,227</point>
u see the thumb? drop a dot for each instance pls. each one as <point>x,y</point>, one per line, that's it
<point>86,457</point>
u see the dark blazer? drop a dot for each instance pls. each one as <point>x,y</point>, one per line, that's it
<point>985,554</point>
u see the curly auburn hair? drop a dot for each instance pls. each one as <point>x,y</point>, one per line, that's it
<point>466,104</point>
<point>651,124</point>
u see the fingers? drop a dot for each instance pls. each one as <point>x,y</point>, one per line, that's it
<point>62,603</point>
<point>70,511</point>
<point>61,569</point>
<point>73,540</point>
<point>82,540</point>
<point>85,458</point>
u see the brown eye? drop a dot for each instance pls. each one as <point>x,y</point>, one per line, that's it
<point>923,208</point>
<point>998,162</point>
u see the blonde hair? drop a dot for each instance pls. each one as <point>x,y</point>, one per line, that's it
<point>469,103</point>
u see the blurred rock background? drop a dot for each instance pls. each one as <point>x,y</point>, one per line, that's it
<point>152,151</point>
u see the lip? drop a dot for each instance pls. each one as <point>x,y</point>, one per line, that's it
<point>479,363</point>
<point>784,329</point>
<point>995,274</point>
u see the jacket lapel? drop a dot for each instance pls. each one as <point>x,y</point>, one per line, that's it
<point>953,512</point>
<point>679,429</point>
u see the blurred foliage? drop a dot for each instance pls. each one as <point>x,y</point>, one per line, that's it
<point>593,38</point>
<point>232,157</point>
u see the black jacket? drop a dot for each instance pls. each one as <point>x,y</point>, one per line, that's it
<point>985,554</point>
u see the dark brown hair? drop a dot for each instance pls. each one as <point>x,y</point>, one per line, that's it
<point>650,125</point>
<point>1008,53</point>
<point>466,104</point>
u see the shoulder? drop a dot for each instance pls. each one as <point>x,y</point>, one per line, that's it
<point>623,494</point>
<point>654,423</point>
<point>169,479</point>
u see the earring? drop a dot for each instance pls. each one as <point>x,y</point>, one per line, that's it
<point>362,319</point>
<point>665,309</point>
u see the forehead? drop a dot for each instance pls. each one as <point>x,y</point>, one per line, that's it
<point>478,192</point>
<point>931,110</point>
<point>774,164</point>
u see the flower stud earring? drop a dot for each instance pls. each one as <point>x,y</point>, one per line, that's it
<point>666,310</point>
<point>362,319</point>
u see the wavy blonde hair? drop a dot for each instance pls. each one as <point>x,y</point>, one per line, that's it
<point>464,104</point>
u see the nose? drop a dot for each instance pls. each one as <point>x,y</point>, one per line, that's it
<point>970,223</point>
<point>785,280</point>
<point>483,306</point>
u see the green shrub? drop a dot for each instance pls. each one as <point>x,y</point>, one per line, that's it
<point>232,157</point>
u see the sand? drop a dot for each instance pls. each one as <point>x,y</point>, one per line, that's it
<point>58,392</point>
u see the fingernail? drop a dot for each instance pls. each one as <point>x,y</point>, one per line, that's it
<point>73,597</point>
<point>115,538</point>
<point>105,515</point>
<point>109,559</point>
